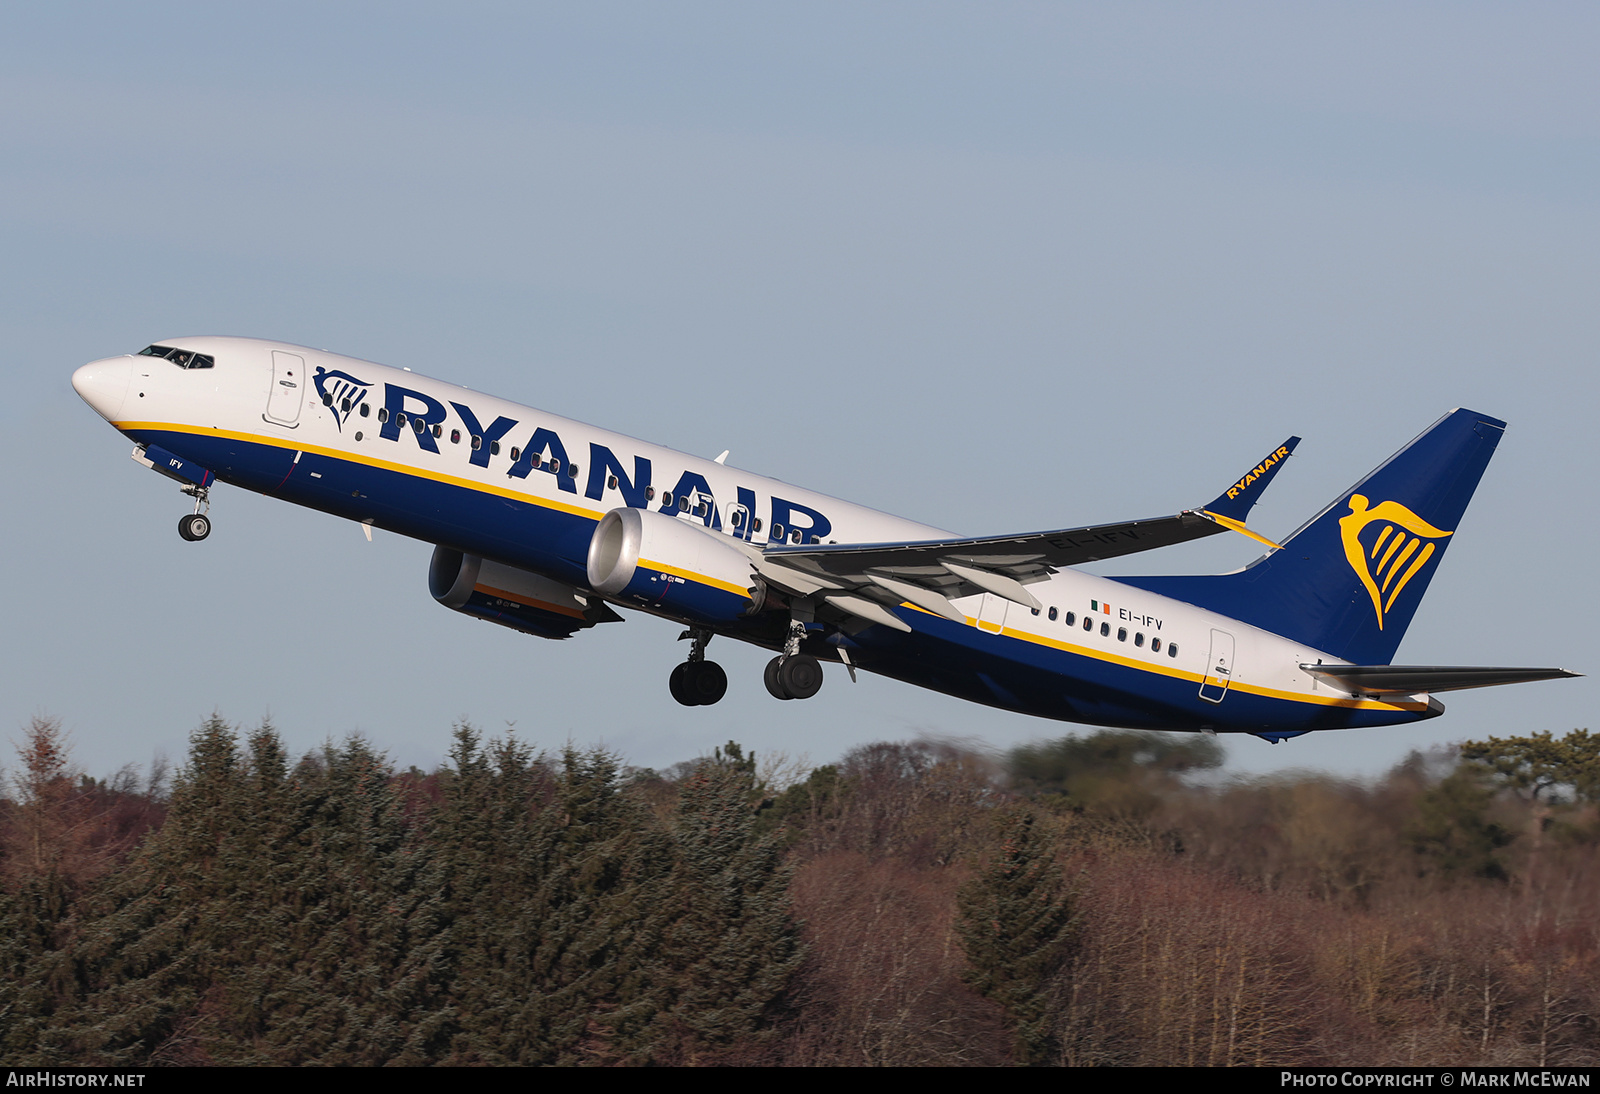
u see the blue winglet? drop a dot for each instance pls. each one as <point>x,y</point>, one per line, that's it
<point>1235,502</point>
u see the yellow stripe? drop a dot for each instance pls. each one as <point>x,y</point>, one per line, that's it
<point>1193,678</point>
<point>1238,526</point>
<point>434,476</point>
<point>353,457</point>
<point>690,575</point>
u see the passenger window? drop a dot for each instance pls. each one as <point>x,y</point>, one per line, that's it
<point>1088,624</point>
<point>1071,619</point>
<point>738,518</point>
<point>1138,639</point>
<point>755,524</point>
<point>1122,634</point>
<point>399,417</point>
<point>1155,645</point>
<point>344,405</point>
<point>1172,649</point>
<point>649,493</point>
<point>1105,630</point>
<point>365,409</point>
<point>1035,611</point>
<point>455,436</point>
<point>666,499</point>
<point>572,470</point>
<point>477,442</point>
<point>516,453</point>
<point>383,414</point>
<point>611,483</point>
<point>327,400</point>
<point>494,448</point>
<point>1052,613</point>
<point>554,465</point>
<point>794,535</point>
<point>438,430</point>
<point>683,504</point>
<point>418,425</point>
<point>777,531</point>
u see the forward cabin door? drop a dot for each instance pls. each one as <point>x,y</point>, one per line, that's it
<point>288,388</point>
<point>1219,669</point>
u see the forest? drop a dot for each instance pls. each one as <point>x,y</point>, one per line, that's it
<point>1111,898</point>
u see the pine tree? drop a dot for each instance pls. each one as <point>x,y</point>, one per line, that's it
<point>1452,832</point>
<point>553,898</point>
<point>734,946</point>
<point>1015,926</point>
<point>276,917</point>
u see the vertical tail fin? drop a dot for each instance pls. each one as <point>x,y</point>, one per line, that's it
<point>1350,579</point>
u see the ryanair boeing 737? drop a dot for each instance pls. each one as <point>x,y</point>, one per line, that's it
<point>546,525</point>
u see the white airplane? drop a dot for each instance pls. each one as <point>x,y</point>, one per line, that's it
<point>543,524</point>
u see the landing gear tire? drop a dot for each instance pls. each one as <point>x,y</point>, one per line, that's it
<point>770,678</point>
<point>698,683</point>
<point>194,527</point>
<point>800,675</point>
<point>707,683</point>
<point>797,677</point>
<point>678,684</point>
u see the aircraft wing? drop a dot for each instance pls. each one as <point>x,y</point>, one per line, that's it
<point>860,578</point>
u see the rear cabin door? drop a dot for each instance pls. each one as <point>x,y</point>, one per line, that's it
<point>1219,669</point>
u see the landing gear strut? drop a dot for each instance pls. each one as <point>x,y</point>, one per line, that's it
<point>793,675</point>
<point>197,525</point>
<point>698,682</point>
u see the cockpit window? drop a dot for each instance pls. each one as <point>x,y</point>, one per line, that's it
<point>181,357</point>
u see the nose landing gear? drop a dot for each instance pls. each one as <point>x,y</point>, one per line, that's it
<point>196,526</point>
<point>698,682</point>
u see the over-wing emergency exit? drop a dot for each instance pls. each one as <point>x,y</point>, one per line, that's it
<point>547,526</point>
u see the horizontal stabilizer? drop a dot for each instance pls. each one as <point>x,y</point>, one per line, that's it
<point>1411,679</point>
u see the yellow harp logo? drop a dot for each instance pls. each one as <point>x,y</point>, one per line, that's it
<point>1399,551</point>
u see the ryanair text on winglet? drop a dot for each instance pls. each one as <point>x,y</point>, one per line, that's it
<point>1257,471</point>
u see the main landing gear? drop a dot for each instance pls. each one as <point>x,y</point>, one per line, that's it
<point>698,682</point>
<point>196,526</point>
<point>793,675</point>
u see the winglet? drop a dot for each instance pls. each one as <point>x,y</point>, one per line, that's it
<point>1233,504</point>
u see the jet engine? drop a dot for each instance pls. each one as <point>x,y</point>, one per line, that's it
<point>661,563</point>
<point>519,599</point>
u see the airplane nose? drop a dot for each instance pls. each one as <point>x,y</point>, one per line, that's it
<point>104,385</point>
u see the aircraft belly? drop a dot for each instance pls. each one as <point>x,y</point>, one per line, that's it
<point>1043,681</point>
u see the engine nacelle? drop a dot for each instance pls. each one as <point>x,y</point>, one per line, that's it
<point>513,598</point>
<point>669,565</point>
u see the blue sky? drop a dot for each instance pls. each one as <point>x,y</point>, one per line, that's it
<point>994,267</point>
